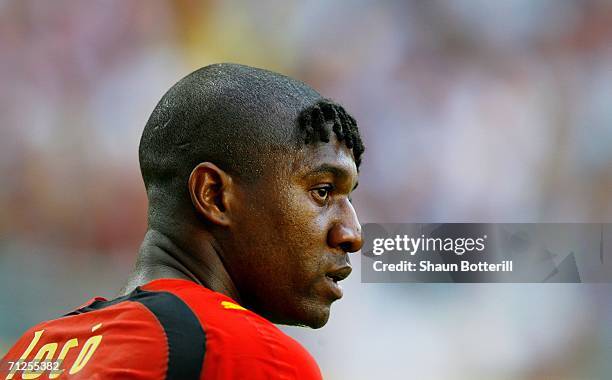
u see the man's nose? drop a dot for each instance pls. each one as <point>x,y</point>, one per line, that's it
<point>346,232</point>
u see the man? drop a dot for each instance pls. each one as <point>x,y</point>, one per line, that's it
<point>248,175</point>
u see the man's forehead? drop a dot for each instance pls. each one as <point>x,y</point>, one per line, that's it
<point>333,158</point>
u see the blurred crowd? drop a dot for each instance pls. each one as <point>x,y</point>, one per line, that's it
<point>471,111</point>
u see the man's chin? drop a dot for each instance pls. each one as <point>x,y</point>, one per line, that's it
<point>313,317</point>
<point>317,324</point>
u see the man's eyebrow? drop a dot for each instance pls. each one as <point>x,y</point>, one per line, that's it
<point>337,171</point>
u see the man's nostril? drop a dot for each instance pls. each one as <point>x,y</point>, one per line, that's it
<point>346,247</point>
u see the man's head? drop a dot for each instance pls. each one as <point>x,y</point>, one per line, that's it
<point>262,167</point>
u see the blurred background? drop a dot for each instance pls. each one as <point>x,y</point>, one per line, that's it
<point>471,110</point>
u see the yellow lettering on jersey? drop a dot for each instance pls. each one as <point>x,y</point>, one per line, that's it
<point>46,352</point>
<point>25,354</point>
<point>87,351</point>
<point>74,342</point>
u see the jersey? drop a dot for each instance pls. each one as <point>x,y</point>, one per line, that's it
<point>166,329</point>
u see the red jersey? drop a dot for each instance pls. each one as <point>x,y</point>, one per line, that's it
<point>166,329</point>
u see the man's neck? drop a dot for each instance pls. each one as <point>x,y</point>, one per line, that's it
<point>159,257</point>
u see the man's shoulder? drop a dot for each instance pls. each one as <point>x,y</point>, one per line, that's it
<point>106,338</point>
<point>239,342</point>
<point>222,318</point>
<point>166,327</point>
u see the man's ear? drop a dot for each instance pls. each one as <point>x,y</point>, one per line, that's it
<point>212,193</point>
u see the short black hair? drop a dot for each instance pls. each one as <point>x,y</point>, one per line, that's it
<point>238,117</point>
<point>315,121</point>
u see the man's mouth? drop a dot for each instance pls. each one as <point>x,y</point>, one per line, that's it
<point>339,274</point>
<point>336,276</point>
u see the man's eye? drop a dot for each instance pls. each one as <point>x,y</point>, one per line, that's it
<point>321,194</point>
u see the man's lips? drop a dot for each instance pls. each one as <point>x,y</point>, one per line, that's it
<point>339,274</point>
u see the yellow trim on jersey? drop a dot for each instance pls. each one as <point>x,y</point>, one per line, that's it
<point>231,305</point>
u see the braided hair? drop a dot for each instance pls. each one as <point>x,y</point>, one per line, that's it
<point>314,122</point>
